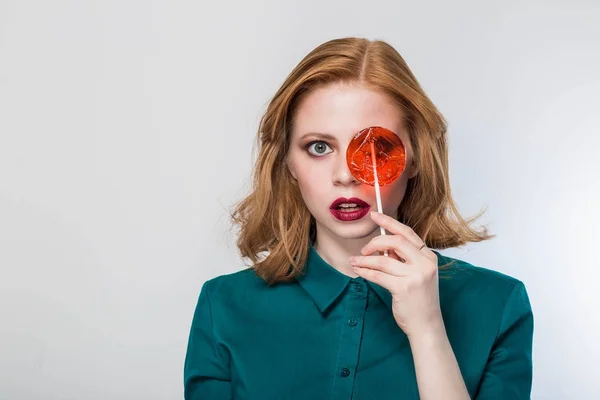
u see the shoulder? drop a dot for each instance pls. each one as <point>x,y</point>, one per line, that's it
<point>245,296</point>
<point>244,289</point>
<point>463,284</point>
<point>234,282</point>
<point>462,272</point>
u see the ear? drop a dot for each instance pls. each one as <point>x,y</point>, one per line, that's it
<point>291,169</point>
<point>412,169</point>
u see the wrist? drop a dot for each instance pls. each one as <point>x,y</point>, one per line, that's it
<point>430,333</point>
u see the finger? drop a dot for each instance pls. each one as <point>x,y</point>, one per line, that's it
<point>396,227</point>
<point>375,276</point>
<point>382,264</point>
<point>392,254</point>
<point>398,243</point>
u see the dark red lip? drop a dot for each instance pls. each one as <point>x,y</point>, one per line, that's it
<point>342,200</point>
<point>348,216</point>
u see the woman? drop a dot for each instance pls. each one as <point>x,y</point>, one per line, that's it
<point>322,313</point>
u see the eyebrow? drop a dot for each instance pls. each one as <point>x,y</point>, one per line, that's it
<point>319,135</point>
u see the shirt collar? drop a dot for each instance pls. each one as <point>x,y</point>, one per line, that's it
<point>321,281</point>
<point>325,284</point>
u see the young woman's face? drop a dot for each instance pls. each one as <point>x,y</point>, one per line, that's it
<point>318,161</point>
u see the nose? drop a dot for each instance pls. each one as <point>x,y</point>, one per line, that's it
<point>342,175</point>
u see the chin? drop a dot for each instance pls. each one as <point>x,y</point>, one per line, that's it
<point>351,230</point>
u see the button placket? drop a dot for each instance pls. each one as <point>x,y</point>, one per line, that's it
<point>355,301</point>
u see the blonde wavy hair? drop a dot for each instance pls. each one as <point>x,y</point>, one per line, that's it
<point>275,226</point>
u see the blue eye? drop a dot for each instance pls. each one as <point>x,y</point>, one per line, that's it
<point>319,148</point>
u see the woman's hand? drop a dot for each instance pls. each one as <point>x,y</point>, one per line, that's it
<point>410,275</point>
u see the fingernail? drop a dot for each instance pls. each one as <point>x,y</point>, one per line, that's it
<point>352,260</point>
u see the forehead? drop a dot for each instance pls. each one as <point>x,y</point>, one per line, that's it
<point>344,109</point>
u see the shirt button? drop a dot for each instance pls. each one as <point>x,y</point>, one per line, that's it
<point>345,372</point>
<point>358,287</point>
<point>352,322</point>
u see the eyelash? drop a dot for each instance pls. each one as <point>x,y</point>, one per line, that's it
<point>315,142</point>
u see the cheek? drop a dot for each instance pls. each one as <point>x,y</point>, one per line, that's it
<point>313,185</point>
<point>393,194</point>
<point>306,180</point>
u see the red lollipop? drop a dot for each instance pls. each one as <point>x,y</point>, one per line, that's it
<point>385,147</point>
<point>376,156</point>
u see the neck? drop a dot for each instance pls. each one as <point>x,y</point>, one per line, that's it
<point>335,250</point>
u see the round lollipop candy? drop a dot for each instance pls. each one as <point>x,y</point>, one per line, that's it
<point>376,156</point>
<point>380,145</point>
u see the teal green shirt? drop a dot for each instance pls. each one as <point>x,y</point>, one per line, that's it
<point>329,336</point>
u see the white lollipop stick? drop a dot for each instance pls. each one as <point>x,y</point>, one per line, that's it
<point>377,192</point>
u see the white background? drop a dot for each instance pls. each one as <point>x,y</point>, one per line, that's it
<point>126,134</point>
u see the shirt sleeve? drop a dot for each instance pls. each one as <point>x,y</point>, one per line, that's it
<point>207,367</point>
<point>509,369</point>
